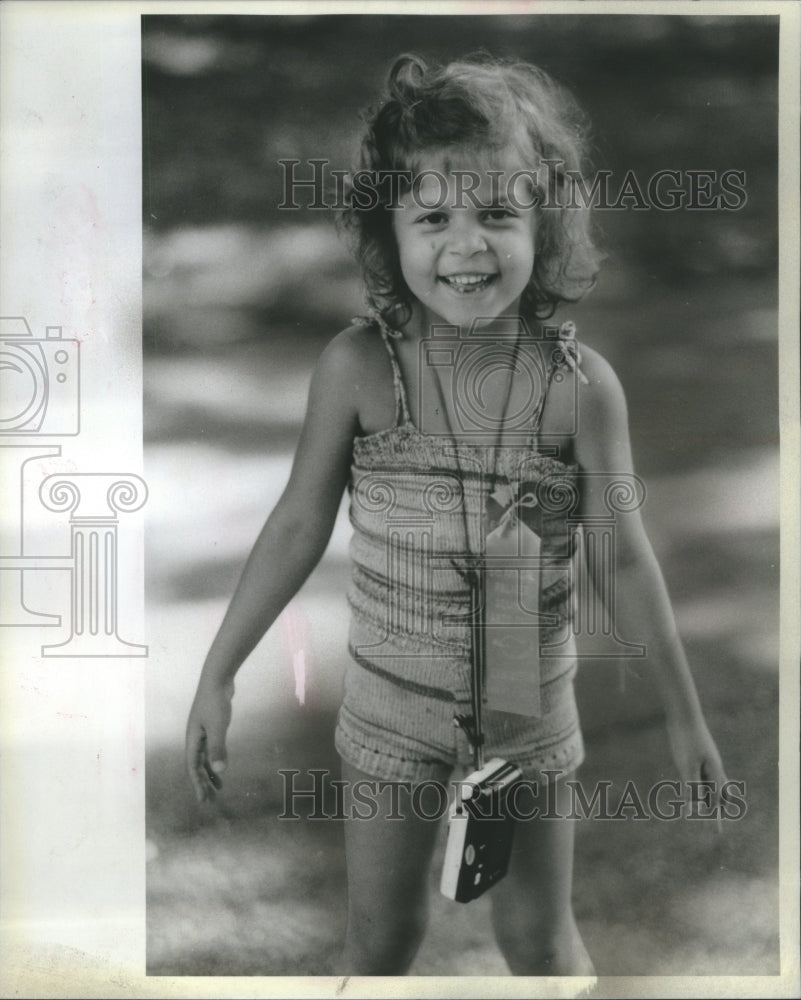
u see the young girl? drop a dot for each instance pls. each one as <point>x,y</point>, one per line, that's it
<point>457,422</point>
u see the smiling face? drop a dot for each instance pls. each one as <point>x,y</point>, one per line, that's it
<point>465,255</point>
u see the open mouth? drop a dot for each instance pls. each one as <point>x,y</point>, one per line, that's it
<point>467,284</point>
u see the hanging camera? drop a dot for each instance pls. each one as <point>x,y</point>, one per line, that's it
<point>480,831</point>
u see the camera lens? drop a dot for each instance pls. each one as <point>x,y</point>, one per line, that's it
<point>21,389</point>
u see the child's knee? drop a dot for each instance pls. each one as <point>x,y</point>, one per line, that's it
<point>384,943</point>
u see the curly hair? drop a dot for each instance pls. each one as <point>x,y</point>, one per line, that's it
<point>477,107</point>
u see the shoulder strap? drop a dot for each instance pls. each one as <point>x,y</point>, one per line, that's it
<point>402,413</point>
<point>565,356</point>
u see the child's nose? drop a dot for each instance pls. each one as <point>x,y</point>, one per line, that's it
<point>466,239</point>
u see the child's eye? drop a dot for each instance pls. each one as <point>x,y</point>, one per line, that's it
<point>433,218</point>
<point>499,213</point>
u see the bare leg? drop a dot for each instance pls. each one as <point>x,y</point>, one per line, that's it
<point>388,864</point>
<point>531,907</point>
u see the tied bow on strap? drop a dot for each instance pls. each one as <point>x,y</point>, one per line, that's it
<point>506,496</point>
<point>374,317</point>
<point>568,355</point>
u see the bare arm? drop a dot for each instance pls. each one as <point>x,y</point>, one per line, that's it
<point>289,546</point>
<point>642,611</point>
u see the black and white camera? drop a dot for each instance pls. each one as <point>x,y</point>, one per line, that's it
<point>40,380</point>
<point>480,831</point>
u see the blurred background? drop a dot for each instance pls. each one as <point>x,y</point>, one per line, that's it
<point>240,298</point>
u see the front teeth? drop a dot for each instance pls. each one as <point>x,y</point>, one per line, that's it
<point>467,282</point>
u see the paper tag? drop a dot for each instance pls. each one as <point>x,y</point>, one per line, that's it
<point>512,621</point>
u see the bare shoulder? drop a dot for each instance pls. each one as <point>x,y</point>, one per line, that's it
<point>351,354</point>
<point>345,355</point>
<point>353,375</point>
<point>602,441</point>
<point>356,343</point>
<point>602,394</point>
<point>345,349</point>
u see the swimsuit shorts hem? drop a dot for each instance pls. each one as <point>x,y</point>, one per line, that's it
<point>387,767</point>
<point>379,764</point>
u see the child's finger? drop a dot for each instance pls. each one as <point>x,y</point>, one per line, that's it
<point>199,782</point>
<point>213,777</point>
<point>197,766</point>
<point>197,786</point>
<point>712,772</point>
<point>216,754</point>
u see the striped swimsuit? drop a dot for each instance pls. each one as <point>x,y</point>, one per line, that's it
<point>417,505</point>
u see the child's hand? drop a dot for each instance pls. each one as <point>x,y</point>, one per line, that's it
<point>698,760</point>
<point>206,756</point>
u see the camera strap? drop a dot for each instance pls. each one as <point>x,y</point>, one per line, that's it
<point>513,681</point>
